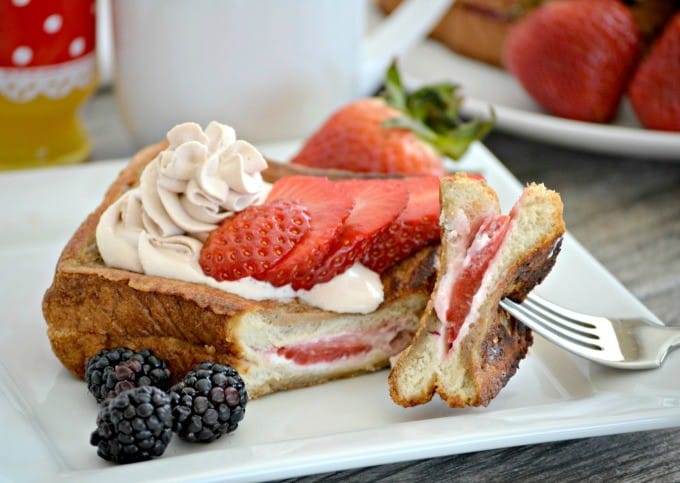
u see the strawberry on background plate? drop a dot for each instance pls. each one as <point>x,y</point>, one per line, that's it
<point>396,133</point>
<point>655,89</point>
<point>575,57</point>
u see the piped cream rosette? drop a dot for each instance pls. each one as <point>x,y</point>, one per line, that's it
<point>183,194</point>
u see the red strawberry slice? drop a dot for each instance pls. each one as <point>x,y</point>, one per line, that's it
<point>470,279</point>
<point>328,208</point>
<point>254,239</point>
<point>319,352</point>
<point>655,88</point>
<point>575,57</point>
<point>323,351</point>
<point>377,203</point>
<point>415,228</point>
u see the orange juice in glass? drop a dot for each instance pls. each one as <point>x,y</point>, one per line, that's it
<point>47,71</point>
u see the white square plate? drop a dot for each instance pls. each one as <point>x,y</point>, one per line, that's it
<point>47,415</point>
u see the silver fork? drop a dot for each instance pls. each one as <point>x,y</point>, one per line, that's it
<point>621,343</point>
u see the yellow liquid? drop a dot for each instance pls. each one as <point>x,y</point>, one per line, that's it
<point>43,131</point>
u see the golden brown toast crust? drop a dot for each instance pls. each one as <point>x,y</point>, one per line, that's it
<point>492,351</point>
<point>489,354</point>
<point>90,306</point>
<point>494,347</point>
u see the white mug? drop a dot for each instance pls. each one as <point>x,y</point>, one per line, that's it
<point>272,69</point>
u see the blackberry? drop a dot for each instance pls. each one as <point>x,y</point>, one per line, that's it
<point>112,371</point>
<point>209,402</point>
<point>135,425</point>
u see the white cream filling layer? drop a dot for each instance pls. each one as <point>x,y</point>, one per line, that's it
<point>458,232</point>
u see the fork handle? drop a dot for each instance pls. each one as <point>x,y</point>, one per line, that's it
<point>675,341</point>
<point>666,338</point>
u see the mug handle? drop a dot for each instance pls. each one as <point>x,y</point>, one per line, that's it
<point>405,26</point>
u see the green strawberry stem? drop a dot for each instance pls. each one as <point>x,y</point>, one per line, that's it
<point>431,113</point>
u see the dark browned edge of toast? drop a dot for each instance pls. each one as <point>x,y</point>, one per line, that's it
<point>496,344</point>
<point>497,353</point>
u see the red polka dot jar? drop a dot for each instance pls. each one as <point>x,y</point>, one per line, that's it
<point>47,70</point>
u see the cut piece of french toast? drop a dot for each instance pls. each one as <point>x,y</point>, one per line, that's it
<point>275,345</point>
<point>466,347</point>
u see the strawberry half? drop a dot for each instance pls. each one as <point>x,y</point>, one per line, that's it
<point>328,208</point>
<point>415,228</point>
<point>575,57</point>
<point>655,89</point>
<point>377,204</point>
<point>253,240</point>
<point>399,133</point>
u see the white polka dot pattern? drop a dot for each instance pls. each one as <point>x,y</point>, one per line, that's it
<point>76,47</point>
<point>52,23</point>
<point>49,49</point>
<point>22,55</point>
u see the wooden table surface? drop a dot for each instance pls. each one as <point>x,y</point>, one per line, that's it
<point>626,212</point>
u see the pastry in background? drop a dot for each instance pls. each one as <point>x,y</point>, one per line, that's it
<point>478,28</point>
<point>474,28</point>
<point>651,16</point>
<point>654,90</point>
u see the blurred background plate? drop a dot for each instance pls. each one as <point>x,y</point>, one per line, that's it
<point>484,85</point>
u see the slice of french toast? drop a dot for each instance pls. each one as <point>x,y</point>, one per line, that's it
<point>274,345</point>
<point>466,347</point>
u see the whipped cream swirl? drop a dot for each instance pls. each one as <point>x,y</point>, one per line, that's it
<point>183,194</point>
<point>158,228</point>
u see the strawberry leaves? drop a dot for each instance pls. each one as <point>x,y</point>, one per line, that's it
<point>432,114</point>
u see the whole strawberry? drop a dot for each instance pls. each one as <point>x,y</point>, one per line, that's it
<point>655,89</point>
<point>397,133</point>
<point>575,57</point>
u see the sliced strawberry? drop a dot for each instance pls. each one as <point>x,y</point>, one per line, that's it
<point>328,208</point>
<point>323,351</point>
<point>470,279</point>
<point>254,239</point>
<point>415,228</point>
<point>655,89</point>
<point>575,57</point>
<point>377,203</point>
